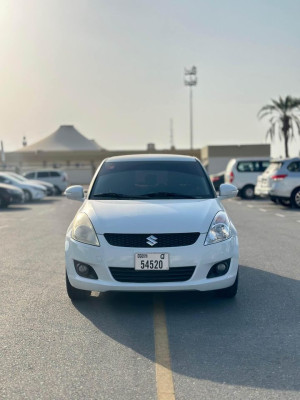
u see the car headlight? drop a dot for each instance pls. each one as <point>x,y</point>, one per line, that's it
<point>219,229</point>
<point>83,230</point>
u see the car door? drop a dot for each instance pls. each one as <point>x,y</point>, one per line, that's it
<point>43,176</point>
<point>293,178</point>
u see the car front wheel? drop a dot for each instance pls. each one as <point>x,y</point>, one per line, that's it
<point>27,196</point>
<point>74,293</point>
<point>230,291</point>
<point>3,204</point>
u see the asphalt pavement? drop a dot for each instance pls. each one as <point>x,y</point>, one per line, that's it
<point>106,347</point>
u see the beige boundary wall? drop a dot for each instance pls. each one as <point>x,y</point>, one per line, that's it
<point>81,165</point>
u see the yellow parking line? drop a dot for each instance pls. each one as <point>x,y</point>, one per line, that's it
<point>164,377</point>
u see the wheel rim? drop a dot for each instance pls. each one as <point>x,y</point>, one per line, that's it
<point>249,192</point>
<point>297,198</point>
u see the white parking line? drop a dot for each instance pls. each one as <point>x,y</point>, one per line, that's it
<point>262,209</point>
<point>280,215</point>
<point>250,205</point>
<point>298,221</point>
<point>3,226</point>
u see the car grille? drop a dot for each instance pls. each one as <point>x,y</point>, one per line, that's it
<point>130,275</point>
<point>161,239</point>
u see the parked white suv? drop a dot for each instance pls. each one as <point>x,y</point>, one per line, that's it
<point>281,181</point>
<point>57,177</point>
<point>243,173</point>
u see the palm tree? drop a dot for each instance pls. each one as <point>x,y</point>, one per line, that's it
<point>284,118</point>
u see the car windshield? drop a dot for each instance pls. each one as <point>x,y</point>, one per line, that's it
<point>151,180</point>
<point>273,167</point>
<point>19,177</point>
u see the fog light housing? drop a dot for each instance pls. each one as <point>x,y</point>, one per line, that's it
<point>219,269</point>
<point>85,270</point>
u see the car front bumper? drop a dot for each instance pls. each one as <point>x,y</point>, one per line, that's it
<point>17,198</point>
<point>38,195</point>
<point>105,256</point>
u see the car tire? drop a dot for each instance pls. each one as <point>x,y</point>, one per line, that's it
<point>295,198</point>
<point>285,202</point>
<point>3,204</point>
<point>57,191</point>
<point>27,196</point>
<point>230,291</point>
<point>74,293</point>
<point>248,192</point>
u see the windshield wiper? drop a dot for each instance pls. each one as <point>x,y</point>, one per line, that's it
<point>113,195</point>
<point>168,195</point>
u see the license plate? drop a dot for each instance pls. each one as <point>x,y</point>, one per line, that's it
<point>151,261</point>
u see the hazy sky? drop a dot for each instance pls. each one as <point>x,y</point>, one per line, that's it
<point>114,69</point>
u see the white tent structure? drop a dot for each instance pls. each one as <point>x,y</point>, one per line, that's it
<point>65,138</point>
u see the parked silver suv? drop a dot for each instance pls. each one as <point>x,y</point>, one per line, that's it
<point>57,177</point>
<point>281,181</point>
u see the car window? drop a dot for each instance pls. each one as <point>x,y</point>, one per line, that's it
<point>248,166</point>
<point>3,179</point>
<point>43,174</point>
<point>30,175</point>
<point>294,166</point>
<point>273,167</point>
<point>163,179</point>
<point>263,165</point>
<point>54,173</point>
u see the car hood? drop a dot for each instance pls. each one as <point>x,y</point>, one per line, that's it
<point>151,216</point>
<point>41,183</point>
<point>10,187</point>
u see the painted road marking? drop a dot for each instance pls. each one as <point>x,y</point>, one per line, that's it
<point>298,221</point>
<point>3,226</point>
<point>250,205</point>
<point>262,209</point>
<point>280,215</point>
<point>164,377</point>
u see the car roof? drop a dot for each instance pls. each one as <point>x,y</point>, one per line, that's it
<point>251,159</point>
<point>151,157</point>
<point>43,170</point>
<point>285,159</point>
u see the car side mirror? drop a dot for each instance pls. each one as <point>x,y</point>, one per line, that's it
<point>75,193</point>
<point>227,191</point>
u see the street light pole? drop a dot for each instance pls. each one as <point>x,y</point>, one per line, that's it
<point>190,79</point>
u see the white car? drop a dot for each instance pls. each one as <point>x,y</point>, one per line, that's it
<point>58,178</point>
<point>151,223</point>
<point>243,173</point>
<point>31,191</point>
<point>281,181</point>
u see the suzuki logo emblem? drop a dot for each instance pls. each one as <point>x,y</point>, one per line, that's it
<point>151,240</point>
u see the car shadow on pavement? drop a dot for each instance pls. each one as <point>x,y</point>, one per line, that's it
<point>13,209</point>
<point>252,340</point>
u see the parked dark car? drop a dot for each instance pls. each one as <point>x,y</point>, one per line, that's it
<point>10,194</point>
<point>217,179</point>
